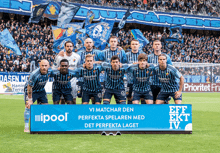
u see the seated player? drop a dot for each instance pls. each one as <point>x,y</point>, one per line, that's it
<point>91,86</point>
<point>34,90</point>
<point>141,73</point>
<point>62,84</point>
<point>114,84</point>
<point>171,80</point>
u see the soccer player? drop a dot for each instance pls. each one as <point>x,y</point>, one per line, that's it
<point>98,56</point>
<point>62,84</point>
<point>74,61</point>
<point>171,80</point>
<point>91,86</point>
<point>132,57</point>
<point>153,58</point>
<point>34,90</point>
<point>141,74</point>
<point>114,50</point>
<point>114,84</point>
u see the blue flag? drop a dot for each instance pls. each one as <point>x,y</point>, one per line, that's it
<point>58,45</point>
<point>37,13</point>
<point>137,34</point>
<point>175,34</point>
<point>72,27</point>
<point>89,18</point>
<point>6,40</point>
<point>100,33</point>
<point>68,11</point>
<point>123,20</point>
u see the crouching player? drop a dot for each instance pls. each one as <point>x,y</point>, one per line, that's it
<point>114,84</point>
<point>141,73</point>
<point>171,79</point>
<point>34,90</point>
<point>62,84</point>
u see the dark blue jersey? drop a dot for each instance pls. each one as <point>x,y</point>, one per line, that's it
<point>114,79</point>
<point>91,81</point>
<point>109,53</point>
<point>98,55</point>
<point>169,78</point>
<point>37,80</point>
<point>153,59</point>
<point>141,77</point>
<point>62,81</point>
<point>132,58</point>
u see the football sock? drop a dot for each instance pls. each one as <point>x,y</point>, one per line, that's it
<point>117,101</point>
<point>106,102</point>
<point>129,102</point>
<point>143,102</point>
<point>26,117</point>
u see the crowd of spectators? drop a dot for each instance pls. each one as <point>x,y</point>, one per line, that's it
<point>205,7</point>
<point>36,43</point>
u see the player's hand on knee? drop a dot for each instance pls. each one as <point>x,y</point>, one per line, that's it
<point>29,103</point>
<point>177,94</point>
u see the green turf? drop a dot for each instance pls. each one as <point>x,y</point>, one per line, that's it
<point>205,137</point>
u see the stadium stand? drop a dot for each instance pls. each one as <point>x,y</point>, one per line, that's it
<point>204,7</point>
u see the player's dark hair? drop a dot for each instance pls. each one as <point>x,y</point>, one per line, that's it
<point>115,57</point>
<point>64,60</point>
<point>142,56</point>
<point>162,55</point>
<point>156,40</point>
<point>68,42</point>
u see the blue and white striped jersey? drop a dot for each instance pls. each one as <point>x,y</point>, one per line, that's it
<point>153,59</point>
<point>109,53</point>
<point>62,81</point>
<point>114,79</point>
<point>169,78</point>
<point>141,77</point>
<point>38,81</point>
<point>98,55</point>
<point>91,81</point>
<point>132,58</point>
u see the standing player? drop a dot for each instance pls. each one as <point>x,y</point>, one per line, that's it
<point>62,84</point>
<point>141,74</point>
<point>113,50</point>
<point>91,86</point>
<point>114,84</point>
<point>34,90</point>
<point>132,57</point>
<point>153,58</point>
<point>98,56</point>
<point>74,61</point>
<point>171,80</point>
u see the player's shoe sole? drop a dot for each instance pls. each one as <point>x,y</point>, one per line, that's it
<point>26,130</point>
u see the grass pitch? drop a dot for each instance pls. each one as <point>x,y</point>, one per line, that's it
<point>205,137</point>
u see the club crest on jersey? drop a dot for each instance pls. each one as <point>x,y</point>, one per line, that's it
<point>147,72</point>
<point>94,71</point>
<point>119,72</point>
<point>167,74</point>
<point>118,53</point>
<point>74,60</point>
<point>123,93</point>
<point>68,77</point>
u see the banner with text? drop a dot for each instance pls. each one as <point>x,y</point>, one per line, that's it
<point>201,87</point>
<point>162,19</point>
<point>111,118</point>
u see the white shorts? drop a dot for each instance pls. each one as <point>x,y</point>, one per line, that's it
<point>74,87</point>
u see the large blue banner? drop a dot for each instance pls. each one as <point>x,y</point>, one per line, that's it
<point>13,77</point>
<point>111,118</point>
<point>152,18</point>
